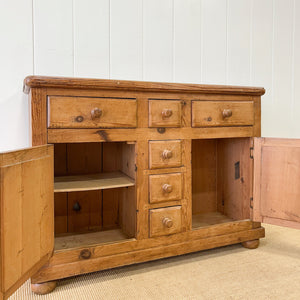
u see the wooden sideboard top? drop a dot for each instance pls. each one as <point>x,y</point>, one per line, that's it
<point>85,83</point>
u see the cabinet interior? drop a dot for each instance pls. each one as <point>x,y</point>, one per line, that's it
<point>221,180</point>
<point>94,193</point>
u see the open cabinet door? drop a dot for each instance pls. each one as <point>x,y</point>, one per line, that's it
<point>276,198</point>
<point>26,210</point>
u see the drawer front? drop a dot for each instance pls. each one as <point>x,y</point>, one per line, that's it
<point>222,113</point>
<point>84,112</point>
<point>165,187</point>
<point>164,154</point>
<point>164,113</point>
<point>165,221</point>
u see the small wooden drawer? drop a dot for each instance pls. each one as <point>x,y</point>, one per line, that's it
<point>85,112</point>
<point>165,221</point>
<point>164,113</point>
<point>164,154</point>
<point>165,187</point>
<point>222,113</point>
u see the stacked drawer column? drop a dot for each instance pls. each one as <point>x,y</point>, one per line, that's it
<point>164,193</point>
<point>168,187</point>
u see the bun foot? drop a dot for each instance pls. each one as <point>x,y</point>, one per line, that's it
<point>43,288</point>
<point>251,244</point>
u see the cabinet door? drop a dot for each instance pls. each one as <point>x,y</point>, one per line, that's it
<point>276,198</point>
<point>26,210</point>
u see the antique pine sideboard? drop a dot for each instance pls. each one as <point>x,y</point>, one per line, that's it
<point>122,172</point>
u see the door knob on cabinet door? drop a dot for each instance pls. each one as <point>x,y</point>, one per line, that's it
<point>227,113</point>
<point>85,254</point>
<point>166,113</point>
<point>167,188</point>
<point>167,222</point>
<point>76,206</point>
<point>96,113</point>
<point>166,154</point>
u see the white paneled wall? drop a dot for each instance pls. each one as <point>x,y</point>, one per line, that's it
<point>240,42</point>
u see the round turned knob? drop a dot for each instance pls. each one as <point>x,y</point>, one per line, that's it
<point>76,206</point>
<point>167,222</point>
<point>227,113</point>
<point>85,254</point>
<point>166,154</point>
<point>166,113</point>
<point>96,113</point>
<point>167,188</point>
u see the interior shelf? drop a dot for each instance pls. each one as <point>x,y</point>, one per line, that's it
<point>88,239</point>
<point>211,218</point>
<point>100,181</point>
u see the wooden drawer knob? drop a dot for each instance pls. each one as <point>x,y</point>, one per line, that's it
<point>167,222</point>
<point>166,113</point>
<point>96,113</point>
<point>166,154</point>
<point>227,113</point>
<point>85,254</point>
<point>167,188</point>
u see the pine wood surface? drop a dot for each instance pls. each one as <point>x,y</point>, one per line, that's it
<point>251,244</point>
<point>43,288</point>
<point>64,82</point>
<point>210,218</point>
<point>77,159</point>
<point>211,113</point>
<point>162,143</point>
<point>91,182</point>
<point>164,154</point>
<point>165,113</point>
<point>140,134</point>
<point>233,194</point>
<point>72,241</point>
<point>165,187</point>
<point>277,173</point>
<point>27,225</point>
<point>165,221</point>
<point>76,112</point>
<point>71,256</point>
<point>62,269</point>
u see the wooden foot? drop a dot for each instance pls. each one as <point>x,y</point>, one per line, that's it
<point>43,288</point>
<point>251,244</point>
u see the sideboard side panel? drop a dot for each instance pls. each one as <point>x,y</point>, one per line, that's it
<point>39,116</point>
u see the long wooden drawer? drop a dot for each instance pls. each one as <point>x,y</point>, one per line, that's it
<point>222,113</point>
<point>165,187</point>
<point>164,113</point>
<point>86,112</point>
<point>165,154</point>
<point>165,221</point>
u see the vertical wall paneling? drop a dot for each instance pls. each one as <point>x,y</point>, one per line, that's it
<point>282,66</point>
<point>262,42</point>
<point>16,61</point>
<point>238,41</point>
<point>158,40</point>
<point>125,51</point>
<point>91,38</point>
<point>53,37</point>
<point>187,41</point>
<point>213,41</point>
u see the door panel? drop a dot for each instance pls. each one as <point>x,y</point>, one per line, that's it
<point>27,230</point>
<point>276,181</point>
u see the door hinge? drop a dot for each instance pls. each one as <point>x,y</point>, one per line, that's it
<point>251,202</point>
<point>251,152</point>
<point>135,168</point>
